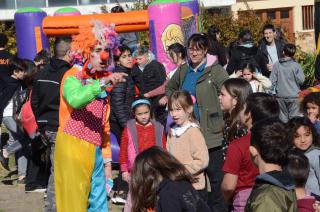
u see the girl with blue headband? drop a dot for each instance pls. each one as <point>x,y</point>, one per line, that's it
<point>140,133</point>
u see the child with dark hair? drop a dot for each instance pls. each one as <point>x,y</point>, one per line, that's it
<point>161,183</point>
<point>287,76</point>
<point>140,133</point>
<point>311,108</point>
<point>298,167</point>
<point>18,141</point>
<point>258,82</point>
<point>303,136</point>
<point>274,187</point>
<point>121,97</point>
<point>240,172</point>
<point>234,93</point>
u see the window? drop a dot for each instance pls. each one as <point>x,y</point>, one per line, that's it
<point>271,14</point>
<point>307,17</point>
<point>7,4</point>
<point>59,3</point>
<point>31,3</point>
<point>284,14</point>
<point>259,14</point>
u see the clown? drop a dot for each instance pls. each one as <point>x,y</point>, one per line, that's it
<point>82,155</point>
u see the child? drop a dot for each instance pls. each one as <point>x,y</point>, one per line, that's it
<point>287,76</point>
<point>149,74</point>
<point>304,137</point>
<point>240,172</point>
<point>233,95</point>
<point>298,167</point>
<point>311,109</point>
<point>258,82</point>
<point>139,134</point>
<point>274,187</point>
<point>185,140</point>
<point>161,182</point>
<point>18,141</point>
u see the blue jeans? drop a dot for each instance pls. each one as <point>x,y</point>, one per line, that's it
<point>18,143</point>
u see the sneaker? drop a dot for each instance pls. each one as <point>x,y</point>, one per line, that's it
<point>21,181</point>
<point>4,161</point>
<point>113,199</point>
<point>120,198</point>
<point>32,189</point>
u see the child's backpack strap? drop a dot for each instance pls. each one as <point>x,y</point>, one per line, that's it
<point>158,132</point>
<point>132,129</point>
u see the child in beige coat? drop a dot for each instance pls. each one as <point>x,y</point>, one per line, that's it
<point>185,140</point>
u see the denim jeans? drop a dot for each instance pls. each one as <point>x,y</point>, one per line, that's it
<point>18,143</point>
<point>214,170</point>
<point>50,203</point>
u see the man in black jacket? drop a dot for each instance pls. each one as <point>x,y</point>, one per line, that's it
<point>270,48</point>
<point>45,101</point>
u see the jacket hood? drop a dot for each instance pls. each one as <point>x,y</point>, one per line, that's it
<point>247,45</point>
<point>211,59</point>
<point>58,64</point>
<point>278,178</point>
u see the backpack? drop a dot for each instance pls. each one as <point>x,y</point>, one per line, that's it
<point>28,120</point>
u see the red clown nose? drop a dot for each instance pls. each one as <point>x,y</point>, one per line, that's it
<point>104,56</point>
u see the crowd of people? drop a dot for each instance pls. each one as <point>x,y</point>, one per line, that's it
<point>224,131</point>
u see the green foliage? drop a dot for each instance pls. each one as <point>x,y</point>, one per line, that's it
<point>10,32</point>
<point>307,62</point>
<point>231,26</point>
<point>142,5</point>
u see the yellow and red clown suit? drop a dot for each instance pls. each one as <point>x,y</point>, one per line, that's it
<point>83,138</point>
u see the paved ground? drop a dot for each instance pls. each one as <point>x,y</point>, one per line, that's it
<point>14,199</point>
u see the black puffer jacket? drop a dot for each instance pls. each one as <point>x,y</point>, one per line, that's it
<point>152,76</point>
<point>175,196</point>
<point>121,98</point>
<point>247,53</point>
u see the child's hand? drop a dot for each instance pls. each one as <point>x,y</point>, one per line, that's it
<point>312,117</point>
<point>269,66</point>
<point>316,206</point>
<point>239,73</point>
<point>126,176</point>
<point>108,170</point>
<point>163,101</point>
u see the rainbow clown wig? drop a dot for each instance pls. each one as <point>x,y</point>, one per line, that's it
<point>90,35</point>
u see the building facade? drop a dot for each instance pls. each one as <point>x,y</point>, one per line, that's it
<point>293,16</point>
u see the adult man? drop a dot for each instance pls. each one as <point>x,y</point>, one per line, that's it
<point>82,159</point>
<point>270,48</point>
<point>203,78</point>
<point>45,102</point>
<point>4,57</point>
